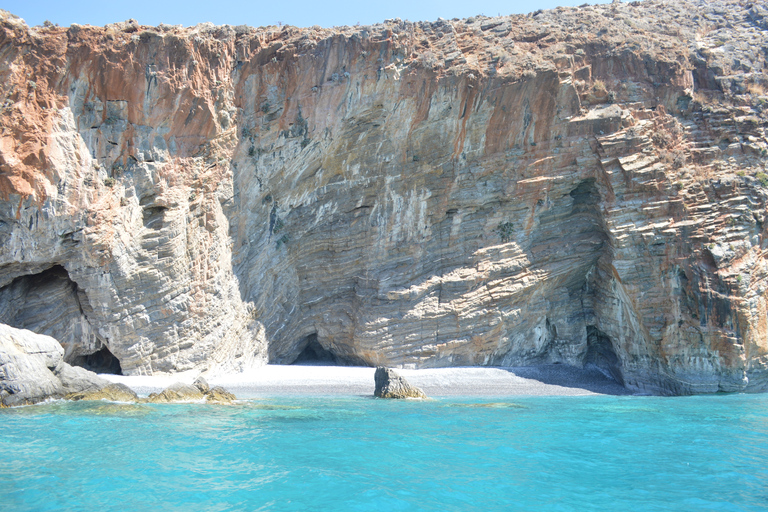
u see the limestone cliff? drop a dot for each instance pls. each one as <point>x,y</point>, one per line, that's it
<point>583,185</point>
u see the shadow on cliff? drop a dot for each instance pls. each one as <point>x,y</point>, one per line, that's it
<point>567,376</point>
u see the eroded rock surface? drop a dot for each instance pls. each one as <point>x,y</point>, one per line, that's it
<point>389,384</point>
<point>583,186</point>
<point>32,369</point>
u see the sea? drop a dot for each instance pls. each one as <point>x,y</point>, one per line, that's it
<point>583,453</point>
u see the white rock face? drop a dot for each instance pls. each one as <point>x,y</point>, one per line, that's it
<point>32,369</point>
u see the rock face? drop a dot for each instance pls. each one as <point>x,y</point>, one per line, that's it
<point>391,385</point>
<point>584,186</point>
<point>32,369</point>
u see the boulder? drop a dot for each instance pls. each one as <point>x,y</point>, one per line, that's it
<point>177,392</point>
<point>391,385</point>
<point>26,360</point>
<point>202,384</point>
<point>112,392</point>
<point>75,379</point>
<point>32,369</point>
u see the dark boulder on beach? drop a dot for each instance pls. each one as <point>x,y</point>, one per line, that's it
<point>391,385</point>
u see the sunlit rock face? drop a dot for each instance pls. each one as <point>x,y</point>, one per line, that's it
<point>584,186</point>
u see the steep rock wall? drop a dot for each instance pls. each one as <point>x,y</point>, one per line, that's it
<point>583,186</point>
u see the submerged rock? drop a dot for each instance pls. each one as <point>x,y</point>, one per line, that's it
<point>391,385</point>
<point>32,369</point>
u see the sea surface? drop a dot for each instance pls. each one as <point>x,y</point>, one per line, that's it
<point>585,453</point>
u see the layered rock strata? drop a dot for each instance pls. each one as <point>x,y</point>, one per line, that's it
<point>583,186</point>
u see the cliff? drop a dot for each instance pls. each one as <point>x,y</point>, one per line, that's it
<point>583,186</point>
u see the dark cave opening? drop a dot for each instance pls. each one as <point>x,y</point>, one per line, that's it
<point>153,217</point>
<point>43,282</point>
<point>314,353</point>
<point>601,355</point>
<point>43,302</point>
<point>51,303</point>
<point>101,361</point>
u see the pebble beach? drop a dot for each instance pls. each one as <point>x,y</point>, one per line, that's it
<point>270,380</point>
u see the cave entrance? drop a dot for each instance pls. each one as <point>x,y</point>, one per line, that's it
<point>601,355</point>
<point>51,303</point>
<point>314,353</point>
<point>101,361</point>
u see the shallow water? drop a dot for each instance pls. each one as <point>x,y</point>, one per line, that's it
<point>542,453</point>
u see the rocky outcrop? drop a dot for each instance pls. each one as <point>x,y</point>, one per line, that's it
<point>177,392</point>
<point>219,395</point>
<point>202,385</point>
<point>214,395</point>
<point>391,385</point>
<point>32,369</point>
<point>113,393</point>
<point>584,186</point>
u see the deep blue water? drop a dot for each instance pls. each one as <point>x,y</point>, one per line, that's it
<point>544,453</point>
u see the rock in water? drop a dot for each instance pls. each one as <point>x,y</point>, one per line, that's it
<point>202,384</point>
<point>177,392</point>
<point>391,385</point>
<point>75,379</point>
<point>32,369</point>
<point>219,395</point>
<point>26,360</point>
<point>113,392</point>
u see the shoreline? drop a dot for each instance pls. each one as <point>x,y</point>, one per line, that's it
<point>325,380</point>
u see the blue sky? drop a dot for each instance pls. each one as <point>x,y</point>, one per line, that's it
<point>255,13</point>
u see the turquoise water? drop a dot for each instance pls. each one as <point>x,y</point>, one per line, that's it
<point>544,454</point>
